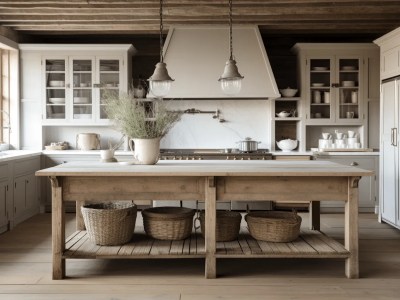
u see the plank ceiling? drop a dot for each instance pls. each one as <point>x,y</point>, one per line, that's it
<point>134,17</point>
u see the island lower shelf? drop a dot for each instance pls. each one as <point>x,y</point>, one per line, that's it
<point>310,244</point>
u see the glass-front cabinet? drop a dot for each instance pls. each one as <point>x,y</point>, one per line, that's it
<point>55,89</point>
<point>75,88</point>
<point>334,89</point>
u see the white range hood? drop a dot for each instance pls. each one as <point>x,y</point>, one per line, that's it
<point>196,56</point>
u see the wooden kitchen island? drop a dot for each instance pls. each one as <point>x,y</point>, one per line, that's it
<point>211,181</point>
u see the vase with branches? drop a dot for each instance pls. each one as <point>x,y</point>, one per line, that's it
<point>144,122</point>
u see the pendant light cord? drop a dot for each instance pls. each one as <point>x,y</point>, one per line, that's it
<point>161,32</point>
<point>230,30</point>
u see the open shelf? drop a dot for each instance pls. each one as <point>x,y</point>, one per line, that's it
<point>310,244</point>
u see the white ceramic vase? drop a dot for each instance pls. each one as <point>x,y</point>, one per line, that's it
<point>145,151</point>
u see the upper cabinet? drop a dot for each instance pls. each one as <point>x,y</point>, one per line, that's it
<point>390,54</point>
<point>76,78</point>
<point>334,80</point>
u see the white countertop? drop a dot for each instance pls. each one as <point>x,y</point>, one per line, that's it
<point>207,168</point>
<point>17,154</point>
<point>275,153</point>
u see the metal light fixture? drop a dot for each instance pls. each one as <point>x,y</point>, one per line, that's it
<point>160,81</point>
<point>231,80</point>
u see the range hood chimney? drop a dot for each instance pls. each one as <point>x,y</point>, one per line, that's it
<point>196,55</point>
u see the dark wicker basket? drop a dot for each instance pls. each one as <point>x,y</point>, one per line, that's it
<point>274,226</point>
<point>110,224</point>
<point>168,223</point>
<point>227,225</point>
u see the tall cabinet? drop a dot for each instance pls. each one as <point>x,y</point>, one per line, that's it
<point>337,82</point>
<point>390,128</point>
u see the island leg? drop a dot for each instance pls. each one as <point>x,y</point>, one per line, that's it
<point>80,224</point>
<point>351,228</point>
<point>315,215</point>
<point>210,220</point>
<point>58,228</point>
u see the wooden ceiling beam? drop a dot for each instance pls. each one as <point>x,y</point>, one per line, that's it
<point>10,34</point>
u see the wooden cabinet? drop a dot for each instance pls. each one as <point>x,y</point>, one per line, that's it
<point>75,78</point>
<point>368,186</point>
<point>390,125</point>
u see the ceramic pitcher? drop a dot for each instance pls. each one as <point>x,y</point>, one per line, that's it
<point>145,151</point>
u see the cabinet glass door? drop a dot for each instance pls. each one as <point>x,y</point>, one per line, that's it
<point>55,75</point>
<point>320,88</point>
<point>349,90</point>
<point>109,78</point>
<point>82,79</point>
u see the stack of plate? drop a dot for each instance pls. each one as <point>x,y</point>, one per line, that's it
<point>57,100</point>
<point>81,100</point>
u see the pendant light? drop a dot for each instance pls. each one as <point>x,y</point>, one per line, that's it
<point>231,80</point>
<point>160,81</point>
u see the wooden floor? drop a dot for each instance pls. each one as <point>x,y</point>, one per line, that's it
<point>25,270</point>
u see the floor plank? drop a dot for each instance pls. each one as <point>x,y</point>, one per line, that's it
<point>25,269</point>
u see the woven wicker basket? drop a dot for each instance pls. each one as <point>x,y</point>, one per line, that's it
<point>110,223</point>
<point>168,223</point>
<point>227,225</point>
<point>274,226</point>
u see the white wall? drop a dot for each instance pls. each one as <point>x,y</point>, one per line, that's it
<point>244,118</point>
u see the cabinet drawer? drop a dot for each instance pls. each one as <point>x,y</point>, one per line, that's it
<point>4,172</point>
<point>26,166</point>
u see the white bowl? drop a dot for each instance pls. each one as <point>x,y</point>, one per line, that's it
<point>288,92</point>
<point>348,83</point>
<point>287,145</point>
<point>56,83</point>
<point>283,114</point>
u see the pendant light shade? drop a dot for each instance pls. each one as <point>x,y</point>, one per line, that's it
<point>231,80</point>
<point>160,81</point>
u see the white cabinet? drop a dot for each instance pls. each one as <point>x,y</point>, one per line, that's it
<point>5,196</point>
<point>390,154</point>
<point>75,78</point>
<point>337,84</point>
<point>4,200</point>
<point>26,192</point>
<point>368,186</point>
<point>390,54</point>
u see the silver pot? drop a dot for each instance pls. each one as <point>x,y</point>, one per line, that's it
<point>248,145</point>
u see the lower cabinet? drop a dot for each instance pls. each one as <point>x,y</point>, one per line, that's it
<point>368,186</point>
<point>19,193</point>
<point>26,194</point>
<point>4,204</point>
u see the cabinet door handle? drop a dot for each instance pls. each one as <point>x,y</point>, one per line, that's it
<point>391,136</point>
<point>395,137</point>
<point>354,163</point>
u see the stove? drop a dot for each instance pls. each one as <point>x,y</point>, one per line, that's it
<point>213,154</point>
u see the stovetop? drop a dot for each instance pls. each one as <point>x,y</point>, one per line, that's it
<point>213,154</point>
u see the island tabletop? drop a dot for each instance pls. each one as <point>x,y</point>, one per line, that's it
<point>208,181</point>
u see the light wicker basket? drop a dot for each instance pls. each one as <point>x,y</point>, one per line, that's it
<point>168,223</point>
<point>274,226</point>
<point>109,224</point>
<point>227,225</point>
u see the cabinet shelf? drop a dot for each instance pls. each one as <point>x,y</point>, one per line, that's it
<point>288,99</point>
<point>55,72</point>
<point>320,87</point>
<point>109,72</point>
<point>82,72</point>
<point>320,104</point>
<point>324,71</point>
<point>348,104</point>
<point>55,87</point>
<point>287,119</point>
